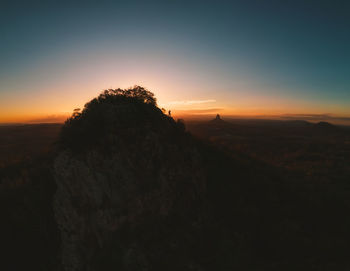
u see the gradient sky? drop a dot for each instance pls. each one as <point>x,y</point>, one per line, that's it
<point>248,57</point>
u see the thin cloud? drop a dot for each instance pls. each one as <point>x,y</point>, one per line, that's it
<point>315,116</point>
<point>50,119</point>
<point>318,117</point>
<point>191,102</point>
<point>199,111</point>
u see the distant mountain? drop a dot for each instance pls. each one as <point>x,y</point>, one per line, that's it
<point>326,128</point>
<point>298,123</point>
<point>325,125</point>
<point>217,120</point>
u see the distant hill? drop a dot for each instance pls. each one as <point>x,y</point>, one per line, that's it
<point>217,120</point>
<point>325,125</point>
<point>297,123</point>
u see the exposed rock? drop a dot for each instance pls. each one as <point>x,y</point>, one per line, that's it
<point>118,196</point>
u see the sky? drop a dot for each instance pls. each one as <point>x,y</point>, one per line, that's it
<point>246,58</point>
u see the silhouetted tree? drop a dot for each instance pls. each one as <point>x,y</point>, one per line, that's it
<point>107,113</point>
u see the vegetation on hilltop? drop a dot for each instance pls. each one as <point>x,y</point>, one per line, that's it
<point>111,112</point>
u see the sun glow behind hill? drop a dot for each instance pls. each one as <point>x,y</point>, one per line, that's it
<point>213,59</point>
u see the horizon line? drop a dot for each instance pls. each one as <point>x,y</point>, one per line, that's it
<point>332,118</point>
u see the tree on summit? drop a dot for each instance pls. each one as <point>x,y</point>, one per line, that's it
<point>136,92</point>
<point>111,112</point>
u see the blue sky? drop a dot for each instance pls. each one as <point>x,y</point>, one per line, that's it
<point>245,57</point>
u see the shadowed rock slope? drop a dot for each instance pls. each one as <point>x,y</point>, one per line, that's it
<point>129,184</point>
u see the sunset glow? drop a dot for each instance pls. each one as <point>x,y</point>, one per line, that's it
<point>209,61</point>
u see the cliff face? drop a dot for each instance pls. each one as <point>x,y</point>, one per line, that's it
<point>126,200</point>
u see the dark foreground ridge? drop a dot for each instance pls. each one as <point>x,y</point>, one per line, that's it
<point>128,188</point>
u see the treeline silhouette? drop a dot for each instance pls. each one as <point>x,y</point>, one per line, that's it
<point>226,207</point>
<point>111,111</point>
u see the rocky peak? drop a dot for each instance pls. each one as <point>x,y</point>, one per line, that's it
<point>124,166</point>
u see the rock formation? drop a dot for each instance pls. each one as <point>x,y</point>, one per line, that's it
<point>129,186</point>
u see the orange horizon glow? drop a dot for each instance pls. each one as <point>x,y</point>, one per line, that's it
<point>189,114</point>
<point>47,103</point>
<point>46,108</point>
